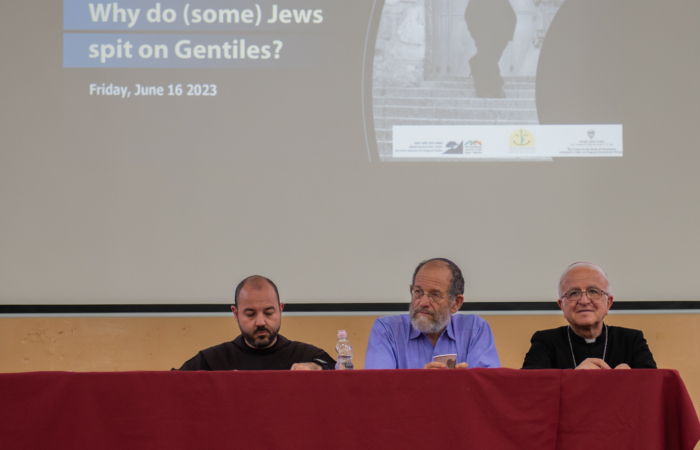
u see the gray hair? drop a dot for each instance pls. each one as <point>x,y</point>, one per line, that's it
<point>456,283</point>
<point>584,264</point>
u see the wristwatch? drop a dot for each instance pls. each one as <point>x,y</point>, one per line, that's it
<point>320,362</point>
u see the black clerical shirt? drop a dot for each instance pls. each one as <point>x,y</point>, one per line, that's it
<point>550,349</point>
<point>237,355</point>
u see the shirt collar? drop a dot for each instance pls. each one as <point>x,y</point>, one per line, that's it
<point>450,330</point>
<point>576,339</point>
<point>414,334</point>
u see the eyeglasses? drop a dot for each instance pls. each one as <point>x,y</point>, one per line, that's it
<point>434,297</point>
<point>593,294</point>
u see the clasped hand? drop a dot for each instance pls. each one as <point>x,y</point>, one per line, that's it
<point>597,363</point>
<point>439,365</point>
<point>306,366</point>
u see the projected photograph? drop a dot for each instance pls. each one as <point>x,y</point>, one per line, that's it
<point>456,80</point>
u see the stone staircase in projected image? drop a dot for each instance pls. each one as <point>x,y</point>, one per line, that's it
<point>449,103</point>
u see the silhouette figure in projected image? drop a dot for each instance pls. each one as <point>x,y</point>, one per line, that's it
<point>491,24</point>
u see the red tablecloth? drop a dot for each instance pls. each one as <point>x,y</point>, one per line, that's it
<point>408,409</point>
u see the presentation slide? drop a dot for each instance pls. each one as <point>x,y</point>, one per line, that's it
<point>158,152</point>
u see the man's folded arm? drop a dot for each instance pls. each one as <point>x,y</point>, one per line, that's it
<point>199,362</point>
<point>641,355</point>
<point>380,352</point>
<point>482,348</point>
<point>539,356</point>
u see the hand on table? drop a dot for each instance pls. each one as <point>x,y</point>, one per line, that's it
<point>623,366</point>
<point>439,365</point>
<point>593,363</point>
<point>306,366</point>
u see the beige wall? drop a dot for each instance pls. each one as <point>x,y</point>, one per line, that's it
<point>121,344</point>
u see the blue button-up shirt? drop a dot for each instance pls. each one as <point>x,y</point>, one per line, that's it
<point>395,344</point>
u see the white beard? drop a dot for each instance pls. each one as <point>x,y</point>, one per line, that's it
<point>429,325</point>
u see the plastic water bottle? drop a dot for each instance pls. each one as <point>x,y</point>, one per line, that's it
<point>344,350</point>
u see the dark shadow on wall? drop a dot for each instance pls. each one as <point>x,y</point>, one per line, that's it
<point>580,73</point>
<point>491,24</point>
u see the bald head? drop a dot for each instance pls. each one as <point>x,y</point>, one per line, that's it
<point>256,283</point>
<point>584,265</point>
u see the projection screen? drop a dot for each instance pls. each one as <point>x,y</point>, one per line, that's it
<point>157,152</point>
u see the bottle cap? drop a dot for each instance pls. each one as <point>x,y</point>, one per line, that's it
<point>342,334</point>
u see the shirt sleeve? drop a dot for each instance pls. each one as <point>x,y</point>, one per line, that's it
<point>540,354</point>
<point>641,355</point>
<point>199,362</point>
<point>381,348</point>
<point>482,348</point>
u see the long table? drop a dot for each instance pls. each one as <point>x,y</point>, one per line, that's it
<point>358,410</point>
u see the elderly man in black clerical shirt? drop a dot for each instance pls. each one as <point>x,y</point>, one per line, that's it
<point>258,312</point>
<point>587,342</point>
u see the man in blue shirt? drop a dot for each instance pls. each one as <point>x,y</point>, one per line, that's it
<point>409,341</point>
